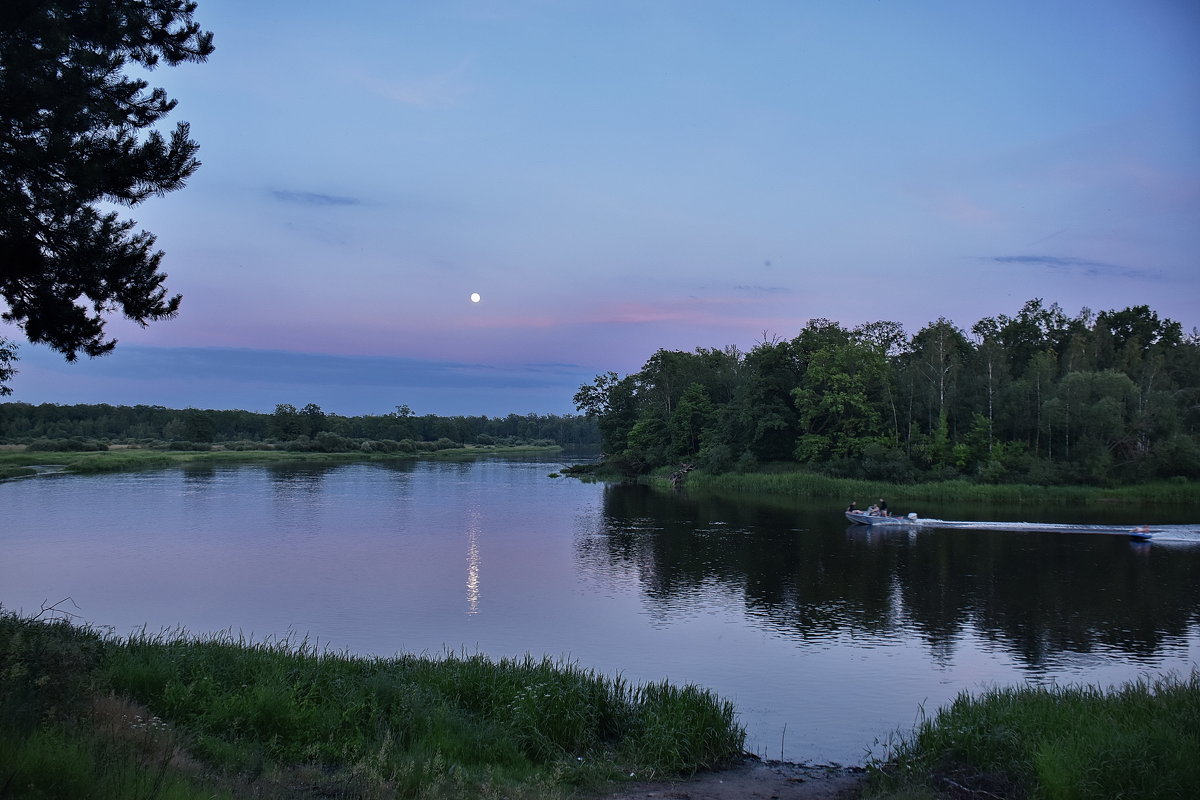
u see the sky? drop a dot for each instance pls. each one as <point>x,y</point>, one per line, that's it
<point>613,177</point>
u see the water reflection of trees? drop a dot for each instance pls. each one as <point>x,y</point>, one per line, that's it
<point>807,576</point>
<point>1041,595</point>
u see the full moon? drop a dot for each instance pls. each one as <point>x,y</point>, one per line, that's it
<point>474,297</point>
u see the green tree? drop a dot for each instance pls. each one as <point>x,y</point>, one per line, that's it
<point>77,132</point>
<point>990,372</point>
<point>198,426</point>
<point>837,395</point>
<point>610,399</point>
<point>692,415</point>
<point>763,418</point>
<point>313,418</point>
<point>286,422</point>
<point>8,354</point>
<point>1035,329</point>
<point>939,351</point>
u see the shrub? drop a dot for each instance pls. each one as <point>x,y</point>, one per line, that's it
<point>329,442</point>
<point>73,445</point>
<point>180,444</point>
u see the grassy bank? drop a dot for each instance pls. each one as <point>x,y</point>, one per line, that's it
<point>16,463</point>
<point>807,484</point>
<point>15,471</point>
<point>86,715</point>
<point>1137,741</point>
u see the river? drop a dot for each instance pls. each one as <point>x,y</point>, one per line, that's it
<point>828,638</point>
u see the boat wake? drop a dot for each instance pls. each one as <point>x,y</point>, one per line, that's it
<point>1181,534</point>
<point>1184,534</point>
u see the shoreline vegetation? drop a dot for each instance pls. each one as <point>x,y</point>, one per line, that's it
<point>782,483</point>
<point>85,714</point>
<point>171,715</point>
<point>1105,399</point>
<point>771,482</point>
<point>103,438</point>
<point>18,463</point>
<point>808,484</point>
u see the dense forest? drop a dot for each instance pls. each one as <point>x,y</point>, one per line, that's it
<point>80,427</point>
<point>1039,397</point>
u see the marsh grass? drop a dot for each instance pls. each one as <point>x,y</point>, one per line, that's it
<point>16,463</point>
<point>14,471</point>
<point>1141,740</point>
<point>808,484</point>
<point>160,714</point>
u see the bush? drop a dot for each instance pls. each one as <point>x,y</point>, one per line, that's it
<point>243,445</point>
<point>878,461</point>
<point>73,445</point>
<point>746,462</point>
<point>716,458</point>
<point>1179,456</point>
<point>329,442</point>
<point>193,446</point>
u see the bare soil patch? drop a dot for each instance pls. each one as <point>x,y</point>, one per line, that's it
<point>754,779</point>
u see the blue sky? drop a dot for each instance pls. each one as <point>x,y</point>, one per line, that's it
<point>615,177</point>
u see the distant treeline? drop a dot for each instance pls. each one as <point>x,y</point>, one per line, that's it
<point>78,427</point>
<point>1038,398</point>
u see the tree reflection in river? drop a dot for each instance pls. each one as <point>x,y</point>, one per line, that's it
<point>804,574</point>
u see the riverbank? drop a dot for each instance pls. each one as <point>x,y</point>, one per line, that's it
<point>755,779</point>
<point>1133,741</point>
<point>83,714</point>
<point>795,483</point>
<point>20,463</point>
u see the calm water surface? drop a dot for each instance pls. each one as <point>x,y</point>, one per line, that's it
<point>826,637</point>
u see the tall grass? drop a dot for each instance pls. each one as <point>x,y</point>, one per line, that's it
<point>282,701</point>
<point>7,472</point>
<point>125,460</point>
<point>1141,740</point>
<point>279,713</point>
<point>809,484</point>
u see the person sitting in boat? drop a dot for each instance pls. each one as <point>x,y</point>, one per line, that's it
<point>883,508</point>
<point>852,508</point>
<point>873,511</point>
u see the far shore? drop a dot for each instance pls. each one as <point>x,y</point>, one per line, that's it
<point>18,461</point>
<point>768,486</point>
<point>783,484</point>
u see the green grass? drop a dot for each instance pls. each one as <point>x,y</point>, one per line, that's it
<point>12,471</point>
<point>808,484</point>
<point>176,712</point>
<point>127,460</point>
<point>1141,740</point>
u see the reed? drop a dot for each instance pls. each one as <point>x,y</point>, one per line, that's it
<point>280,711</point>
<point>813,485</point>
<point>1136,741</point>
<point>127,460</point>
<point>12,471</point>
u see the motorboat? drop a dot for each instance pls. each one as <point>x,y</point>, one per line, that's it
<point>1141,534</point>
<point>910,520</point>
